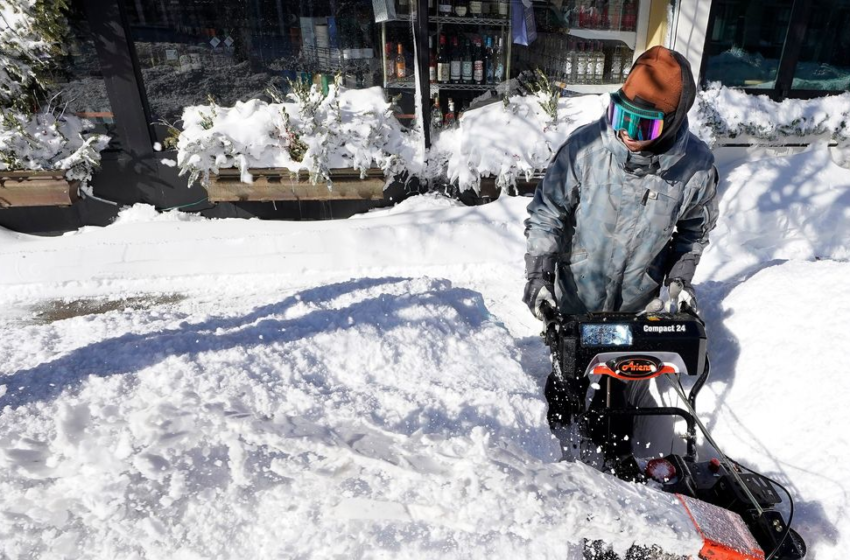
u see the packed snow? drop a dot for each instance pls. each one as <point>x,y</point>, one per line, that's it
<point>190,388</point>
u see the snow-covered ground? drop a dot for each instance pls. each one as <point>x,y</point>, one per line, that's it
<point>175,387</point>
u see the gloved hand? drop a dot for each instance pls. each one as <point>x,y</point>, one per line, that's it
<point>540,272</point>
<point>680,297</point>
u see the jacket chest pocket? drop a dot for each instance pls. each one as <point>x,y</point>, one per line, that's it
<point>662,202</point>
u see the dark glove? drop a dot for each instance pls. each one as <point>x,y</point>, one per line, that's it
<point>681,297</point>
<point>540,272</point>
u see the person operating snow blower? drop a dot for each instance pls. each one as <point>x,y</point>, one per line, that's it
<point>625,207</point>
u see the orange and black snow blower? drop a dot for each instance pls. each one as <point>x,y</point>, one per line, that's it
<point>595,356</point>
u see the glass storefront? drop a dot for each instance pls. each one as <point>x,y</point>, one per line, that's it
<point>824,62</point>
<point>230,50</point>
<point>79,87</point>
<point>746,42</point>
<point>582,42</point>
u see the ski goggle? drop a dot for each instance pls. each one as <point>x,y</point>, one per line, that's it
<point>640,124</point>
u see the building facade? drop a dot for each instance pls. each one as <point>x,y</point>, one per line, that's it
<point>133,65</point>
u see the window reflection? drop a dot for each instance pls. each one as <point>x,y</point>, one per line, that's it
<point>746,42</point>
<point>189,50</point>
<point>78,88</point>
<point>824,62</point>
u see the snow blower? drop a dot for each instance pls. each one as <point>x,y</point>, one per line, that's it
<point>595,356</point>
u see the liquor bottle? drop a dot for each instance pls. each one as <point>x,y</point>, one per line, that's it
<point>581,64</point>
<point>503,8</point>
<point>615,14</point>
<point>629,15</point>
<point>617,66</point>
<point>403,7</point>
<point>432,61</point>
<point>389,70</point>
<point>478,63</point>
<point>627,63</point>
<point>604,18</point>
<point>570,64</point>
<point>449,121</point>
<point>593,22</point>
<point>455,62</point>
<point>461,8</point>
<point>489,67</point>
<point>436,114</point>
<point>583,13</point>
<point>499,64</point>
<point>487,8</point>
<point>476,8</point>
<point>600,63</point>
<point>400,66</point>
<point>445,8</point>
<point>466,64</point>
<point>590,72</point>
<point>432,7</point>
<point>443,64</point>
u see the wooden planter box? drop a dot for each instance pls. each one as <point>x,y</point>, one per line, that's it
<point>282,185</point>
<point>37,188</point>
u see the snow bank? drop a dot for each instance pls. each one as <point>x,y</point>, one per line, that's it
<point>778,208</point>
<point>360,133</point>
<point>146,214</point>
<point>780,392</point>
<point>721,112</point>
<point>528,137</point>
<point>312,134</point>
<point>380,416</point>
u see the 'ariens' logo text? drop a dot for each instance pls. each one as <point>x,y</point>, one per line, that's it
<point>636,367</point>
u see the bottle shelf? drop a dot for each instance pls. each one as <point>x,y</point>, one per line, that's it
<point>401,84</point>
<point>593,88</point>
<point>461,87</point>
<point>493,22</point>
<point>627,37</point>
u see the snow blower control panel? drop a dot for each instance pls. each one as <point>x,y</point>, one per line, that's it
<point>584,337</point>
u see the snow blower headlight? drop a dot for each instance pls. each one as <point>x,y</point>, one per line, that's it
<point>606,335</point>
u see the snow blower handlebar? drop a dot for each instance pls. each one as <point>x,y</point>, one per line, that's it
<point>552,320</point>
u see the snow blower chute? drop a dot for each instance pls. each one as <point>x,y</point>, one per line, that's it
<point>594,357</point>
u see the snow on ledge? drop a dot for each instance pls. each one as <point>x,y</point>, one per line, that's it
<point>313,134</point>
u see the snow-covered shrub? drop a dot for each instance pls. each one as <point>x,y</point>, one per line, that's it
<point>512,140</point>
<point>721,112</point>
<point>33,136</point>
<point>46,141</point>
<point>32,33</point>
<point>310,133</point>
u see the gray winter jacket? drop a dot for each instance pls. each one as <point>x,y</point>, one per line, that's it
<point>619,222</point>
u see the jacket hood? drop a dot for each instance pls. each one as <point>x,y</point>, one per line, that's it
<point>680,118</point>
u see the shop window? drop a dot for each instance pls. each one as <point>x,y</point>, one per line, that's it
<point>824,61</point>
<point>582,45</point>
<point>78,88</point>
<point>189,50</point>
<point>746,41</point>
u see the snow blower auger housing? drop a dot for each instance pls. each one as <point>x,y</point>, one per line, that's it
<point>594,356</point>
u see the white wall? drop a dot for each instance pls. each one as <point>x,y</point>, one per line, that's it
<point>690,21</point>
